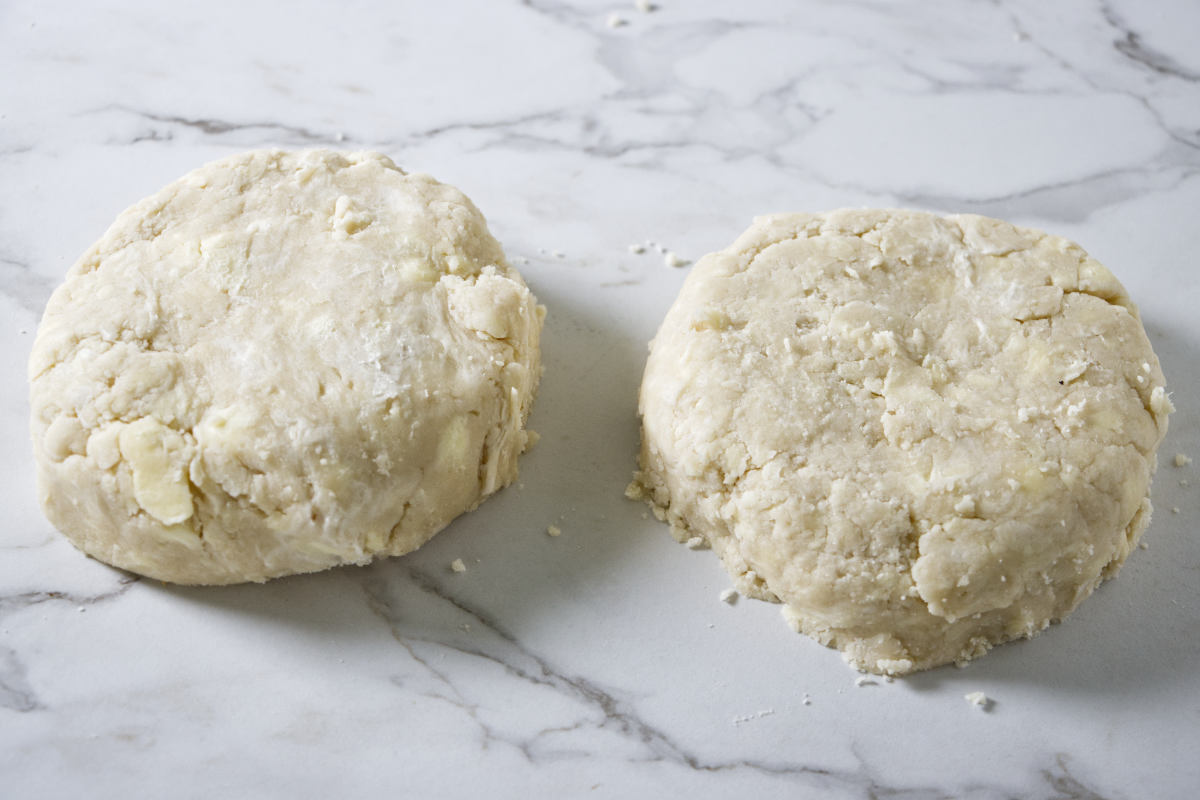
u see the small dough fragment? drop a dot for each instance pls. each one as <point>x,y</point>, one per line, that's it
<point>978,699</point>
<point>281,362</point>
<point>923,435</point>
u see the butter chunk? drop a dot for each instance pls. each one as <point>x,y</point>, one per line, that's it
<point>158,458</point>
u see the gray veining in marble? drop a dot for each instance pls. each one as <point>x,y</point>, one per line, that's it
<point>599,663</point>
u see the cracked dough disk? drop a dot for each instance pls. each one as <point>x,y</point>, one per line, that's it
<point>282,362</point>
<point>924,435</point>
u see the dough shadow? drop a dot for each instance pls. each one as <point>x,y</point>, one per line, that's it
<point>1137,632</point>
<point>573,478</point>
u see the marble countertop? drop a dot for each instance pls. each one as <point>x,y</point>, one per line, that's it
<point>600,662</point>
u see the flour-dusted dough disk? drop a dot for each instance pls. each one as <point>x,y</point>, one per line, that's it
<point>282,362</point>
<point>924,435</point>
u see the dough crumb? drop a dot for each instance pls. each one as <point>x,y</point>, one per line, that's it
<point>1174,509</point>
<point>729,596</point>
<point>766,712</point>
<point>634,491</point>
<point>695,543</point>
<point>863,680</point>
<point>807,699</point>
<point>637,249</point>
<point>457,565</point>
<point>1182,460</point>
<point>1184,482</point>
<point>978,699</point>
<point>645,6</point>
<point>616,21</point>
<point>553,530</point>
<point>673,260</point>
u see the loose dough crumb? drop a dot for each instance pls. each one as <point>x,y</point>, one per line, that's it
<point>673,260</point>
<point>749,717</point>
<point>729,596</point>
<point>863,680</point>
<point>616,21</point>
<point>978,699</point>
<point>637,249</point>
<point>645,6</point>
<point>457,565</point>
<point>554,530</point>
<point>1182,460</point>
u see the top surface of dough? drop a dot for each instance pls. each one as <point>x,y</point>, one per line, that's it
<point>315,347</point>
<point>894,421</point>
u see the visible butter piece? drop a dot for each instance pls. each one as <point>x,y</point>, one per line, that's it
<point>158,459</point>
<point>452,445</point>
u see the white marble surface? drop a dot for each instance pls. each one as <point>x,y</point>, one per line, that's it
<point>601,662</point>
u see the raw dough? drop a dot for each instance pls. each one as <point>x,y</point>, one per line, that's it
<point>280,363</point>
<point>924,435</point>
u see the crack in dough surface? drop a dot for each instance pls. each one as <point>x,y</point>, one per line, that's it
<point>924,435</point>
<point>282,362</point>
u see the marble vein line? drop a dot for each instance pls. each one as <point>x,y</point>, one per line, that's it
<point>1080,196</point>
<point>1133,50</point>
<point>619,716</point>
<point>16,692</point>
<point>1059,778</point>
<point>10,604</point>
<point>217,127</point>
<point>26,288</point>
<point>1131,46</point>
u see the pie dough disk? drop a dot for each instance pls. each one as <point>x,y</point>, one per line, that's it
<point>923,435</point>
<point>282,362</point>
